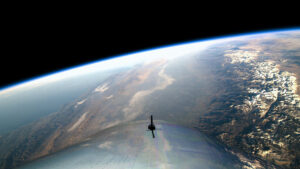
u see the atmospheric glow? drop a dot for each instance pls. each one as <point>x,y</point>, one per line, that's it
<point>129,60</point>
<point>141,57</point>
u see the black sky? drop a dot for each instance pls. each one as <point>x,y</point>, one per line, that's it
<point>35,47</point>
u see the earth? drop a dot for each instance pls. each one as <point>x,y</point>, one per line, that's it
<point>230,102</point>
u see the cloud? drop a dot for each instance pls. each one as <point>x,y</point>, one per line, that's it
<point>79,103</point>
<point>102,88</point>
<point>85,145</point>
<point>109,97</point>
<point>105,145</point>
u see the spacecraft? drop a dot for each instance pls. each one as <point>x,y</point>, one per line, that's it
<point>151,126</point>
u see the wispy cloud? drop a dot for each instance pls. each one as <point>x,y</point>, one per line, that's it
<point>105,145</point>
<point>102,88</point>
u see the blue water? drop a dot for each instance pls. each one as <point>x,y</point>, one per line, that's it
<point>23,107</point>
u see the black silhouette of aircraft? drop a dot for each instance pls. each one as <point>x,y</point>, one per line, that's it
<point>151,127</point>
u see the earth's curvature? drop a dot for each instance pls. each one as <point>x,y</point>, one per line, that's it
<point>231,102</point>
